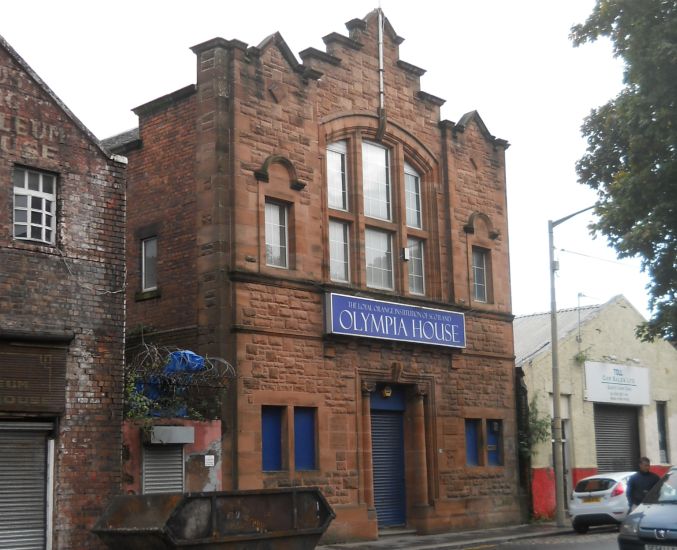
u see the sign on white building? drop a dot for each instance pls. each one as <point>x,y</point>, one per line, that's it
<point>613,383</point>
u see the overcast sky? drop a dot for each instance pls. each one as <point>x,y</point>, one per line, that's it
<point>511,60</point>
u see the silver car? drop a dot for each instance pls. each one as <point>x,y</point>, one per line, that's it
<point>653,524</point>
<point>599,500</point>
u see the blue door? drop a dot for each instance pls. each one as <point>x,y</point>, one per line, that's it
<point>387,447</point>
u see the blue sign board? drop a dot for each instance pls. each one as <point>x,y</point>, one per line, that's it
<point>367,318</point>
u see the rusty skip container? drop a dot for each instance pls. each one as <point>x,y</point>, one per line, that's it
<point>264,519</point>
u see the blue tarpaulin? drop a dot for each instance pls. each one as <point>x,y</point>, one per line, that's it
<point>184,361</point>
<point>159,386</point>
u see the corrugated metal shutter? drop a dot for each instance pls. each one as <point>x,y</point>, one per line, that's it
<point>163,469</point>
<point>617,438</point>
<point>387,432</point>
<point>23,485</point>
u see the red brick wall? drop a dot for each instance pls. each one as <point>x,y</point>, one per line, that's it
<point>73,286</point>
<point>162,187</point>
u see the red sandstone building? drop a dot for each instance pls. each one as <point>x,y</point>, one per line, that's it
<point>62,203</point>
<point>318,226</point>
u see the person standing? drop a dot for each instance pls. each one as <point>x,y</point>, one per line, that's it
<point>640,483</point>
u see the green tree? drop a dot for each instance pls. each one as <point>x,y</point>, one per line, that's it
<point>631,158</point>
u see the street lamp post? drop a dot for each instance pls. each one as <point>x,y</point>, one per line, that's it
<point>556,412</point>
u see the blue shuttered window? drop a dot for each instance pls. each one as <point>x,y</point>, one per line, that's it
<point>472,442</point>
<point>271,435</point>
<point>275,450</point>
<point>304,438</point>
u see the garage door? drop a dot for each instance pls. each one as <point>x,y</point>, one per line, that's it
<point>387,432</point>
<point>617,438</point>
<point>23,485</point>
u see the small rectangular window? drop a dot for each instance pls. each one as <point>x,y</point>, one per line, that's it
<point>271,438</point>
<point>662,418</point>
<point>376,181</point>
<point>412,188</point>
<point>339,252</point>
<point>480,274</point>
<point>149,264</point>
<point>472,441</point>
<point>34,205</point>
<point>304,438</point>
<point>494,442</point>
<point>416,270</point>
<point>337,184</point>
<point>378,248</point>
<point>277,241</point>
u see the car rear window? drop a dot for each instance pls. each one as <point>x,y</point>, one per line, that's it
<point>664,491</point>
<point>592,485</point>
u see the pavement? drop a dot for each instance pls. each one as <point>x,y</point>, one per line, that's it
<point>407,540</point>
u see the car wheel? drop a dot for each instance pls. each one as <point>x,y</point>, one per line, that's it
<point>581,528</point>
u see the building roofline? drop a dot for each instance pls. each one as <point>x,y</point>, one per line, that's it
<point>60,104</point>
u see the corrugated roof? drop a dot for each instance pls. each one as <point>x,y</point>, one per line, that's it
<point>532,332</point>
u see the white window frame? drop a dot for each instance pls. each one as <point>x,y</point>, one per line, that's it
<point>376,187</point>
<point>385,279</point>
<point>145,287</point>
<point>277,224</point>
<point>480,275</point>
<point>339,251</point>
<point>416,260</point>
<point>337,179</point>
<point>38,203</point>
<point>412,195</point>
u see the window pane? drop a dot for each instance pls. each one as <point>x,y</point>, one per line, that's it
<point>47,184</point>
<point>19,178</point>
<point>276,234</point>
<point>379,259</point>
<point>412,184</point>
<point>36,233</point>
<point>21,201</point>
<point>33,181</point>
<point>36,203</point>
<point>416,274</point>
<point>336,176</point>
<point>304,438</point>
<point>149,263</point>
<point>20,216</point>
<point>479,269</point>
<point>472,443</point>
<point>36,217</point>
<point>376,181</point>
<point>271,438</point>
<point>338,252</point>
<point>20,231</point>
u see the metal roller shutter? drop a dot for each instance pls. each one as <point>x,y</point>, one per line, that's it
<point>23,485</point>
<point>617,438</point>
<point>163,469</point>
<point>387,432</point>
